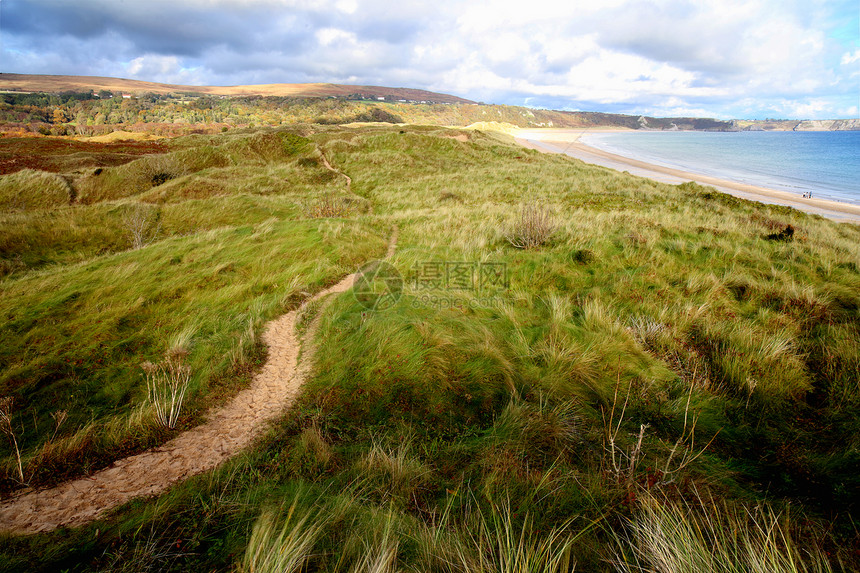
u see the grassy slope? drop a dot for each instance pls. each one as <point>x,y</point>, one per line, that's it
<point>88,312</point>
<point>431,424</point>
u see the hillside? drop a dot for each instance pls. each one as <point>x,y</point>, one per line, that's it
<point>88,112</point>
<point>57,84</point>
<point>576,368</point>
<point>275,104</point>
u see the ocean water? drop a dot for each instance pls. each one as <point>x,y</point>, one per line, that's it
<point>827,163</point>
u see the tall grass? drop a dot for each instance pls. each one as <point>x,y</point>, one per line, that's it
<point>493,541</point>
<point>282,545</point>
<point>475,540</point>
<point>462,429</point>
<point>166,385</point>
<point>29,190</point>
<point>668,536</point>
<point>534,227</point>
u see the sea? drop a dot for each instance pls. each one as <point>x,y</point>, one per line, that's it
<point>826,163</point>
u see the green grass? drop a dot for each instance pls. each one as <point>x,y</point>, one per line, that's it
<point>459,430</point>
<point>245,180</point>
<point>74,337</point>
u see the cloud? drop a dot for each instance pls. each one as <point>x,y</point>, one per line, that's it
<point>848,58</point>
<point>169,68</point>
<point>720,57</point>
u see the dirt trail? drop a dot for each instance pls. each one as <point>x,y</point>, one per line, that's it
<point>339,172</point>
<point>229,429</point>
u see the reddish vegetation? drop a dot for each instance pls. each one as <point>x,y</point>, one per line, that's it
<point>62,155</point>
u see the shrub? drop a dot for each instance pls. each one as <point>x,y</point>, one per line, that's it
<point>534,228</point>
<point>158,169</point>
<point>783,235</point>
<point>142,224</point>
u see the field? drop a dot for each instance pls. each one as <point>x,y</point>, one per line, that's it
<point>665,378</point>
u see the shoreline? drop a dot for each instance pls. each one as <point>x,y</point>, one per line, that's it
<point>566,141</point>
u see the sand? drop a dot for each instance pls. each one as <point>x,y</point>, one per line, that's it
<point>566,141</point>
<point>116,136</point>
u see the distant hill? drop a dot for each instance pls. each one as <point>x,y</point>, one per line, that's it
<point>798,125</point>
<point>55,84</point>
<point>386,104</point>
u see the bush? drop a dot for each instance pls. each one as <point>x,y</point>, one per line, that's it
<point>142,224</point>
<point>534,228</point>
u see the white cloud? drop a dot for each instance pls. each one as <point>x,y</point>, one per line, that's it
<point>329,36</point>
<point>848,58</point>
<point>347,6</point>
<point>168,68</point>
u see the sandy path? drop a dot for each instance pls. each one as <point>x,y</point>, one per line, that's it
<point>338,171</point>
<point>561,141</point>
<point>229,430</point>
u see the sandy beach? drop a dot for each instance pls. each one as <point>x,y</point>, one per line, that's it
<point>567,141</point>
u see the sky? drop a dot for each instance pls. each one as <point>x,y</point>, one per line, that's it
<point>708,58</point>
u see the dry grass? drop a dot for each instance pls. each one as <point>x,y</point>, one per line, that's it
<point>28,190</point>
<point>328,205</point>
<point>282,545</point>
<point>166,384</point>
<point>6,405</point>
<point>671,537</point>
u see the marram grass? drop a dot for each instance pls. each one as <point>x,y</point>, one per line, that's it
<point>461,429</point>
<point>667,536</point>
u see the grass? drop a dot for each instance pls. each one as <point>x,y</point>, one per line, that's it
<point>670,537</point>
<point>30,190</point>
<point>465,428</point>
<point>166,385</point>
<point>281,550</point>
<point>74,338</point>
<point>99,355</point>
<point>533,229</point>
